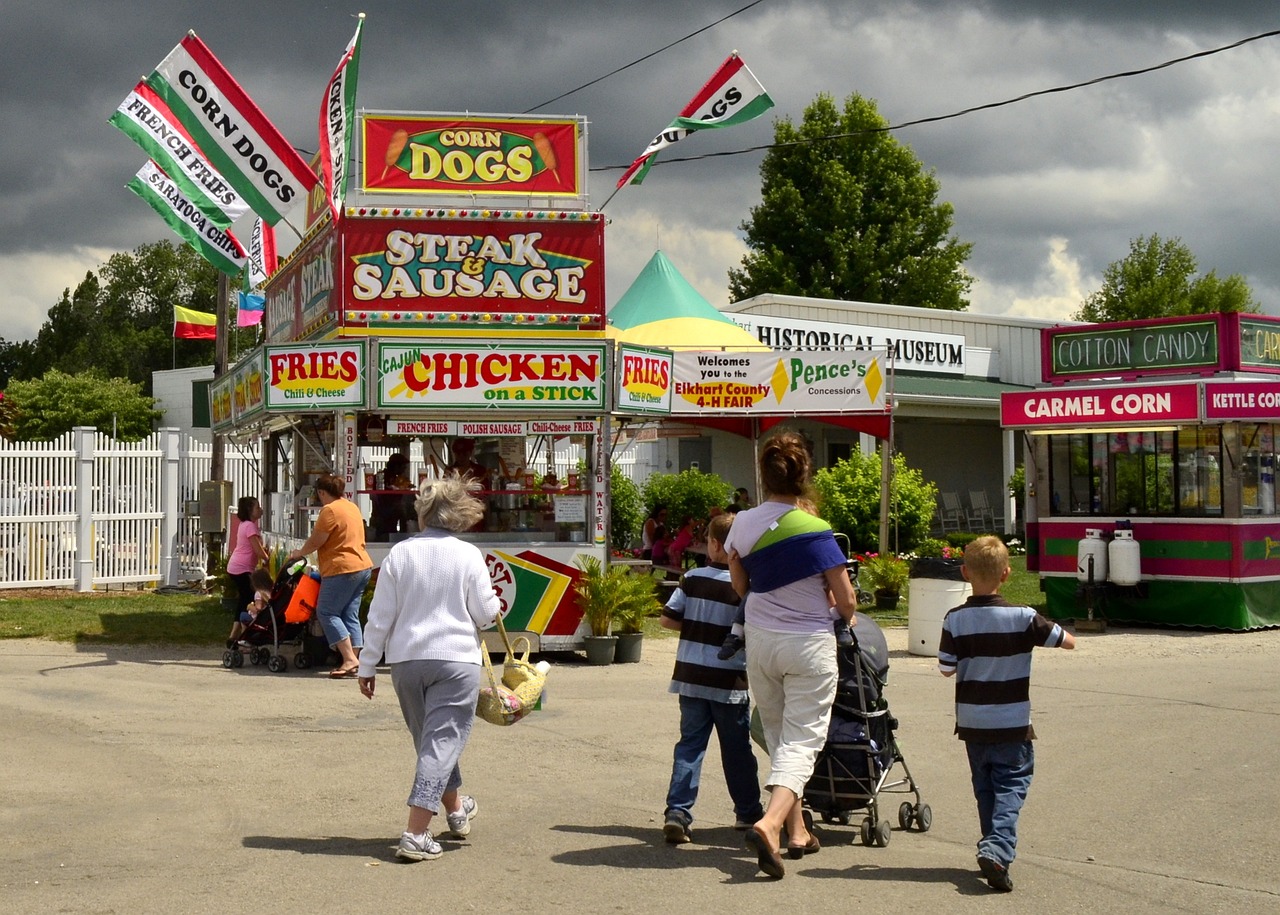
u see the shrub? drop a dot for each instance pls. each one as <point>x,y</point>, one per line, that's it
<point>688,493</point>
<point>626,512</point>
<point>884,572</point>
<point>961,539</point>
<point>850,501</point>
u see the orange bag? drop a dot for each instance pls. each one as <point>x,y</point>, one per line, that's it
<point>302,606</point>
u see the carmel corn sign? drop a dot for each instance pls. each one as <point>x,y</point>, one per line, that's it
<point>472,156</point>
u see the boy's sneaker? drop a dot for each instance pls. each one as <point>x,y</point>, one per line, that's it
<point>996,873</point>
<point>460,822</point>
<point>413,848</point>
<point>732,645</point>
<point>675,830</point>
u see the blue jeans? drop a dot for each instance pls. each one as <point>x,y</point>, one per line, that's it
<point>1001,777</point>
<point>338,606</point>
<point>732,723</point>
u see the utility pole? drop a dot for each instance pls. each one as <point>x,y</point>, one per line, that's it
<point>217,461</point>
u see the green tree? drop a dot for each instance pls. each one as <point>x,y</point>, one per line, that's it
<point>626,512</point>
<point>1156,280</point>
<point>689,493</point>
<point>47,407</point>
<point>850,501</point>
<point>120,320</point>
<point>853,216</point>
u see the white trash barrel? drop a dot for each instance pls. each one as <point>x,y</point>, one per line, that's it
<point>936,586</point>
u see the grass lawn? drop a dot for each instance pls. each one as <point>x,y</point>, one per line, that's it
<point>182,618</point>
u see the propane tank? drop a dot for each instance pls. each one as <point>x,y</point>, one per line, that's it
<point>1125,559</point>
<point>1092,546</point>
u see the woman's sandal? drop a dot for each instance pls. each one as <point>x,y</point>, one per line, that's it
<point>812,847</point>
<point>768,861</point>
<point>341,673</point>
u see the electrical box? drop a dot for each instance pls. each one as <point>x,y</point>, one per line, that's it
<point>215,506</point>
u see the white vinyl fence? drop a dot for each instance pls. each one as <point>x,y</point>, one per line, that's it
<point>87,511</point>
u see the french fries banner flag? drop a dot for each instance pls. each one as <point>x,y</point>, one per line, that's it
<point>337,116</point>
<point>262,259</point>
<point>218,246</point>
<point>231,130</point>
<point>194,325</point>
<point>145,118</point>
<point>732,96</point>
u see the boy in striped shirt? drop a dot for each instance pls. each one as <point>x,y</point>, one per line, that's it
<point>986,645</point>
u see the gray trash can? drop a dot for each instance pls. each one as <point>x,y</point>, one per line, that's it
<point>935,586</point>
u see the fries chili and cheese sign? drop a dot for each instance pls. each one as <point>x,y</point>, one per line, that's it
<point>544,377</point>
<point>644,379</point>
<point>472,156</point>
<point>773,383</point>
<point>470,273</point>
<point>323,376</point>
<point>247,396</point>
<point>220,403</point>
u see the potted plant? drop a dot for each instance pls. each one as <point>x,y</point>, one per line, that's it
<point>637,599</point>
<point>596,591</point>
<point>886,575</point>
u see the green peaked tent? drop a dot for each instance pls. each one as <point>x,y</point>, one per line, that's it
<point>662,309</point>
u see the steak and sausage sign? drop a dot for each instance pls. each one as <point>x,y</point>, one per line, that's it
<point>559,377</point>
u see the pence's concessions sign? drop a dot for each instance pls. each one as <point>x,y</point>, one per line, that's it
<point>473,156</point>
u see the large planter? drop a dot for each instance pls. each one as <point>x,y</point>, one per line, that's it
<point>600,648</point>
<point>887,600</point>
<point>628,651</point>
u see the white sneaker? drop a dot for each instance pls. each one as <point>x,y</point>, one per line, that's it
<point>460,822</point>
<point>411,848</point>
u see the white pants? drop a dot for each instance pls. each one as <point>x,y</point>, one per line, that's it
<point>792,676</point>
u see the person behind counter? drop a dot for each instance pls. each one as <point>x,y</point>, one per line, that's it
<point>464,462</point>
<point>338,541</point>
<point>434,594</point>
<point>393,513</point>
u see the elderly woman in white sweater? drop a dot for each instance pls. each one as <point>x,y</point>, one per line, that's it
<point>433,592</point>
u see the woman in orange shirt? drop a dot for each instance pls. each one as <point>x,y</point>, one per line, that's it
<point>345,567</point>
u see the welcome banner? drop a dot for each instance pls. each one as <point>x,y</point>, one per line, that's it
<point>231,130</point>
<point>774,383</point>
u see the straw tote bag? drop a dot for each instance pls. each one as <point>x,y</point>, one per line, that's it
<point>506,702</point>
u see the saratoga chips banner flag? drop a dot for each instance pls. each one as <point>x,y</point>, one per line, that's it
<point>337,116</point>
<point>218,246</point>
<point>144,118</point>
<point>231,130</point>
<point>732,96</point>
<point>194,325</point>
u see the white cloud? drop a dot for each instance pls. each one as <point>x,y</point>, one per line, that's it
<point>34,282</point>
<point>1058,290</point>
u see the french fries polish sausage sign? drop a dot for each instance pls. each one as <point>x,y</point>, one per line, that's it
<point>456,154</point>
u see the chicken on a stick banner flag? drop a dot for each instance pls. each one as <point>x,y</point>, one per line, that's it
<point>218,246</point>
<point>231,130</point>
<point>732,96</point>
<point>337,117</point>
<point>145,118</point>
<point>194,325</point>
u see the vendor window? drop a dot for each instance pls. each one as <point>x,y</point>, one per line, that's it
<point>1137,473</point>
<point>1258,469</point>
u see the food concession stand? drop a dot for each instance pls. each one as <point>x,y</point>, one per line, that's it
<point>1163,433</point>
<point>454,307</point>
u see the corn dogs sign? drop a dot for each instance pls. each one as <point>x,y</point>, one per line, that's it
<point>457,154</point>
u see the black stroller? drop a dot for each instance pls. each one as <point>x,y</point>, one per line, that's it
<point>285,622</point>
<point>856,765</point>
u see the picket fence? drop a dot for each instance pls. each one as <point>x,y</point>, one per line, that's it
<point>86,511</point>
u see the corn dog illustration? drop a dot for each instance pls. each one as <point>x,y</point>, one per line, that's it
<point>543,146</point>
<point>399,140</point>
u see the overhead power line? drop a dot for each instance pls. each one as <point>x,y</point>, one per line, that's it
<point>956,114</point>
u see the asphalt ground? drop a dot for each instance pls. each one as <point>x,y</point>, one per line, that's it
<point>153,780</point>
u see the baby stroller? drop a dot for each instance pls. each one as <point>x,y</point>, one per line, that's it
<point>861,595</point>
<point>855,767</point>
<point>284,622</point>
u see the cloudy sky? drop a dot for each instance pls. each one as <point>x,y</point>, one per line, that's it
<point>1049,191</point>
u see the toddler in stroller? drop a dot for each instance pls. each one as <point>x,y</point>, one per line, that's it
<point>284,620</point>
<point>856,763</point>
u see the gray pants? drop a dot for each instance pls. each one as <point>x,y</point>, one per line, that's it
<point>438,701</point>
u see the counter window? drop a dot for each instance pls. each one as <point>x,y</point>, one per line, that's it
<point>1136,473</point>
<point>1258,469</point>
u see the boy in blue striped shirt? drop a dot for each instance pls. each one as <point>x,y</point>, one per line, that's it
<point>712,690</point>
<point>986,645</point>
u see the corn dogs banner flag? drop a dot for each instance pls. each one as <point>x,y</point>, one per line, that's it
<point>231,131</point>
<point>218,246</point>
<point>194,325</point>
<point>337,119</point>
<point>145,118</point>
<point>732,96</point>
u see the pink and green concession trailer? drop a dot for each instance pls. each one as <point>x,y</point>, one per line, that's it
<point>1166,429</point>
